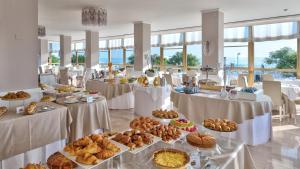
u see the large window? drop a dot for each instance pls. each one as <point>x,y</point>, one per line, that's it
<point>116,56</point>
<point>194,55</point>
<point>236,54</point>
<point>78,53</point>
<point>54,48</point>
<point>173,55</point>
<point>155,55</point>
<point>129,56</point>
<point>103,56</point>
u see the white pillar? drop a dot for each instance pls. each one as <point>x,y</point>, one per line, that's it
<point>65,51</point>
<point>142,46</point>
<point>213,39</point>
<point>92,49</point>
<point>43,52</point>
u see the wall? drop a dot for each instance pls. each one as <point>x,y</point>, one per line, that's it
<point>18,44</point>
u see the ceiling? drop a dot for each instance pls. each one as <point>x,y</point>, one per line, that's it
<point>64,16</point>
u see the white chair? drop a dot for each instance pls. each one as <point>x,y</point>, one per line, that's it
<point>242,80</point>
<point>267,77</point>
<point>169,79</point>
<point>273,89</point>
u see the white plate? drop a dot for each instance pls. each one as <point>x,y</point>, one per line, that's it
<point>71,101</point>
<point>84,166</point>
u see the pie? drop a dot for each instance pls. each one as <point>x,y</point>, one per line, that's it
<point>171,159</point>
<point>201,140</point>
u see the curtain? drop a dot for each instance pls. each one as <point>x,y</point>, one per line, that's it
<point>192,38</point>
<point>129,42</point>
<point>155,40</point>
<point>175,39</point>
<point>102,44</point>
<point>115,43</point>
<point>277,31</point>
<point>237,34</point>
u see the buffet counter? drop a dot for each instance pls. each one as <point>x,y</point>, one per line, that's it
<point>253,117</point>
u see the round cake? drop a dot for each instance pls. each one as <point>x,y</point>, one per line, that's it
<point>59,161</point>
<point>184,124</point>
<point>201,140</point>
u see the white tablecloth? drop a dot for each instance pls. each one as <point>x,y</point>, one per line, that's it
<point>147,99</point>
<point>253,117</point>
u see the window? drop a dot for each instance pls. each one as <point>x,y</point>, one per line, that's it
<point>103,56</point>
<point>237,34</point>
<point>129,56</point>
<point>116,56</point>
<point>174,39</point>
<point>155,55</point>
<point>194,55</point>
<point>54,48</point>
<point>236,54</point>
<point>173,55</point>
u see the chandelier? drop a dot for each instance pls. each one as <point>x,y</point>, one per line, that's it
<point>94,17</point>
<point>41,30</point>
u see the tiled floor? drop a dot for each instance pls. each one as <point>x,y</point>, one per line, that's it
<point>283,152</point>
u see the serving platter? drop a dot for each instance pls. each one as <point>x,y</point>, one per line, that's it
<point>140,149</point>
<point>122,147</point>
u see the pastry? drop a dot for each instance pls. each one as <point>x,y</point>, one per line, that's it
<point>165,114</point>
<point>22,95</point>
<point>34,166</point>
<point>47,98</point>
<point>220,125</point>
<point>31,108</point>
<point>87,158</point>
<point>91,148</point>
<point>3,110</point>
<point>184,124</point>
<point>17,95</point>
<point>143,123</point>
<point>134,138</point>
<point>59,161</point>
<point>171,158</point>
<point>167,133</point>
<point>201,140</point>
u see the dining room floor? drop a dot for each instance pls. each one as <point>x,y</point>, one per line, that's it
<point>282,152</point>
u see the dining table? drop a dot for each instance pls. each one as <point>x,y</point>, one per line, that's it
<point>118,95</point>
<point>253,117</point>
<point>88,117</point>
<point>33,137</point>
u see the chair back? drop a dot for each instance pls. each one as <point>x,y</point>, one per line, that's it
<point>273,89</point>
<point>242,80</point>
<point>267,77</point>
<point>169,79</point>
<point>64,76</point>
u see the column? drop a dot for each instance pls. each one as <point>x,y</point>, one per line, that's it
<point>142,46</point>
<point>65,51</point>
<point>43,52</point>
<point>298,52</point>
<point>213,39</point>
<point>92,49</point>
<point>250,58</point>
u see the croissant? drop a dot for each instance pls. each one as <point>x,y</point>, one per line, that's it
<point>105,154</point>
<point>91,149</point>
<point>87,158</point>
<point>30,109</point>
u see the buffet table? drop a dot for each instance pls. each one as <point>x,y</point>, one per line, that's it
<point>119,96</point>
<point>87,117</point>
<point>253,117</point>
<point>147,99</point>
<point>32,137</point>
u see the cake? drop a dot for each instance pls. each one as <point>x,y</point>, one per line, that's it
<point>184,124</point>
<point>201,140</point>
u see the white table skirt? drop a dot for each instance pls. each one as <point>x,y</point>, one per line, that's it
<point>125,101</point>
<point>33,156</point>
<point>145,102</point>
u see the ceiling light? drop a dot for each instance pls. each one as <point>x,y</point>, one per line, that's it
<point>94,17</point>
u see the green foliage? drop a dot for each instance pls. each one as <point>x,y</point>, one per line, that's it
<point>176,59</point>
<point>284,58</point>
<point>81,59</point>
<point>55,59</point>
